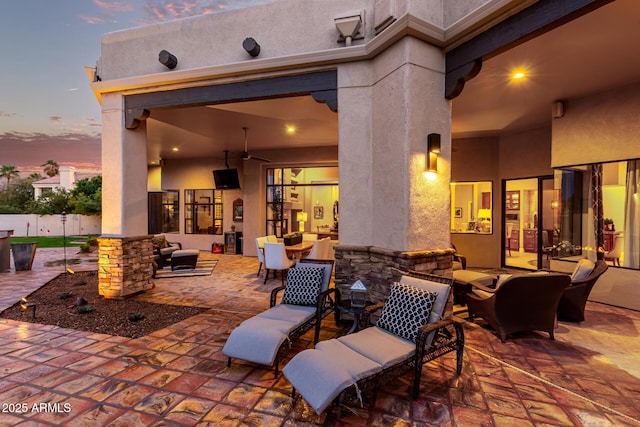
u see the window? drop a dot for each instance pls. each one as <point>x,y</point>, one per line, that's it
<point>471,207</point>
<point>164,211</point>
<point>203,212</point>
<point>302,199</point>
<point>599,212</point>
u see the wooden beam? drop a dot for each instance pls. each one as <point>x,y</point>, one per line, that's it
<point>321,85</point>
<point>541,17</point>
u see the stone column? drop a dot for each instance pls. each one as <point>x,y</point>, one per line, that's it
<point>388,106</point>
<point>124,204</point>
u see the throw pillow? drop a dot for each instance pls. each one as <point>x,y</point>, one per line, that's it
<point>583,269</point>
<point>303,285</point>
<point>406,310</point>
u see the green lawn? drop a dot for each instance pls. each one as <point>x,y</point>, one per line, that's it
<point>52,242</point>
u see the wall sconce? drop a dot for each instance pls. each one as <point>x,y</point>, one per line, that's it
<point>433,148</point>
<point>251,46</point>
<point>301,217</point>
<point>348,27</point>
<point>167,59</point>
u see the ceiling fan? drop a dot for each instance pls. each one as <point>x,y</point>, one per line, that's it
<point>245,153</point>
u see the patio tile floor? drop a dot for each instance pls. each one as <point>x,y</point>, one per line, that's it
<point>588,376</point>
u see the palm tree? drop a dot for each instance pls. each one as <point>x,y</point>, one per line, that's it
<point>8,172</point>
<point>51,168</point>
<point>35,176</point>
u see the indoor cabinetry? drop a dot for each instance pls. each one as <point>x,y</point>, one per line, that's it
<point>530,242</point>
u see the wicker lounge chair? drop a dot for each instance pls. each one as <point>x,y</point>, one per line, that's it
<point>306,301</point>
<point>340,369</point>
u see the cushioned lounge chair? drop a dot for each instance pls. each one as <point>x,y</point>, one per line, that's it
<point>402,341</point>
<point>523,302</point>
<point>574,298</point>
<point>307,299</point>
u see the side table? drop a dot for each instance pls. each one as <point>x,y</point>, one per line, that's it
<point>345,307</point>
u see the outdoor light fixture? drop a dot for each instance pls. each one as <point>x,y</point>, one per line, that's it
<point>167,59</point>
<point>348,27</point>
<point>301,217</point>
<point>63,219</point>
<point>251,46</point>
<point>433,148</point>
<point>358,294</point>
<point>25,305</point>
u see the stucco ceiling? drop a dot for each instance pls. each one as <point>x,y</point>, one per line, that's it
<point>588,55</point>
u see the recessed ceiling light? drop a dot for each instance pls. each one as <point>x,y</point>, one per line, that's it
<point>519,75</point>
<point>175,149</point>
<point>291,129</point>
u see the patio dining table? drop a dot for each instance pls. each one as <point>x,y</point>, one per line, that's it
<point>298,250</point>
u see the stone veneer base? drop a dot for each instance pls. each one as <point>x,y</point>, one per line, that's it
<point>125,265</point>
<point>378,268</point>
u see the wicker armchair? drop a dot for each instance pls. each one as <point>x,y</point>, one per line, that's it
<point>524,302</point>
<point>574,298</point>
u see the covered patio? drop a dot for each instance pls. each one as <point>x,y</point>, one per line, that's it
<point>177,375</point>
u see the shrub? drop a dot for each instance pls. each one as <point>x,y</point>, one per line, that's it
<point>85,248</point>
<point>64,295</point>
<point>136,317</point>
<point>84,309</point>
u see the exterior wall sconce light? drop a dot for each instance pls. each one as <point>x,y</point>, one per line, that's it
<point>348,27</point>
<point>251,46</point>
<point>167,59</point>
<point>433,148</point>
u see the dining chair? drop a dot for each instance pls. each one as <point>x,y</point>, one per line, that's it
<point>320,249</point>
<point>260,241</point>
<point>275,259</point>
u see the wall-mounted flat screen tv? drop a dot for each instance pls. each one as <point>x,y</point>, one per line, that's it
<point>226,179</point>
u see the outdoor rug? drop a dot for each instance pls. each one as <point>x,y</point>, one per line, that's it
<point>203,268</point>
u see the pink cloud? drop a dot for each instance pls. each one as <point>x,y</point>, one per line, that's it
<point>7,115</point>
<point>56,120</point>
<point>117,6</point>
<point>91,19</point>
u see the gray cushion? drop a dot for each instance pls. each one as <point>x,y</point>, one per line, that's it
<point>303,286</point>
<point>407,309</point>
<point>296,314</point>
<point>318,377</point>
<point>257,340</point>
<point>379,345</point>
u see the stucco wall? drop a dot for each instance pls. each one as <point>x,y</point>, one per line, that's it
<point>281,28</point>
<point>598,128</point>
<point>50,225</point>
<point>477,159</point>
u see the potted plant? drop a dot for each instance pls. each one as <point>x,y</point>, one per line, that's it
<point>23,254</point>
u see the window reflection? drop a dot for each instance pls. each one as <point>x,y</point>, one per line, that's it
<point>471,207</point>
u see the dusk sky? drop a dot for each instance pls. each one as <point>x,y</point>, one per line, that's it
<point>47,109</point>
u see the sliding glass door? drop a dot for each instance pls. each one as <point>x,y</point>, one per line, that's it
<point>529,222</point>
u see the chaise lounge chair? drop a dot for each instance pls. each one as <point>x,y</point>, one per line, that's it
<point>409,333</point>
<point>305,302</point>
